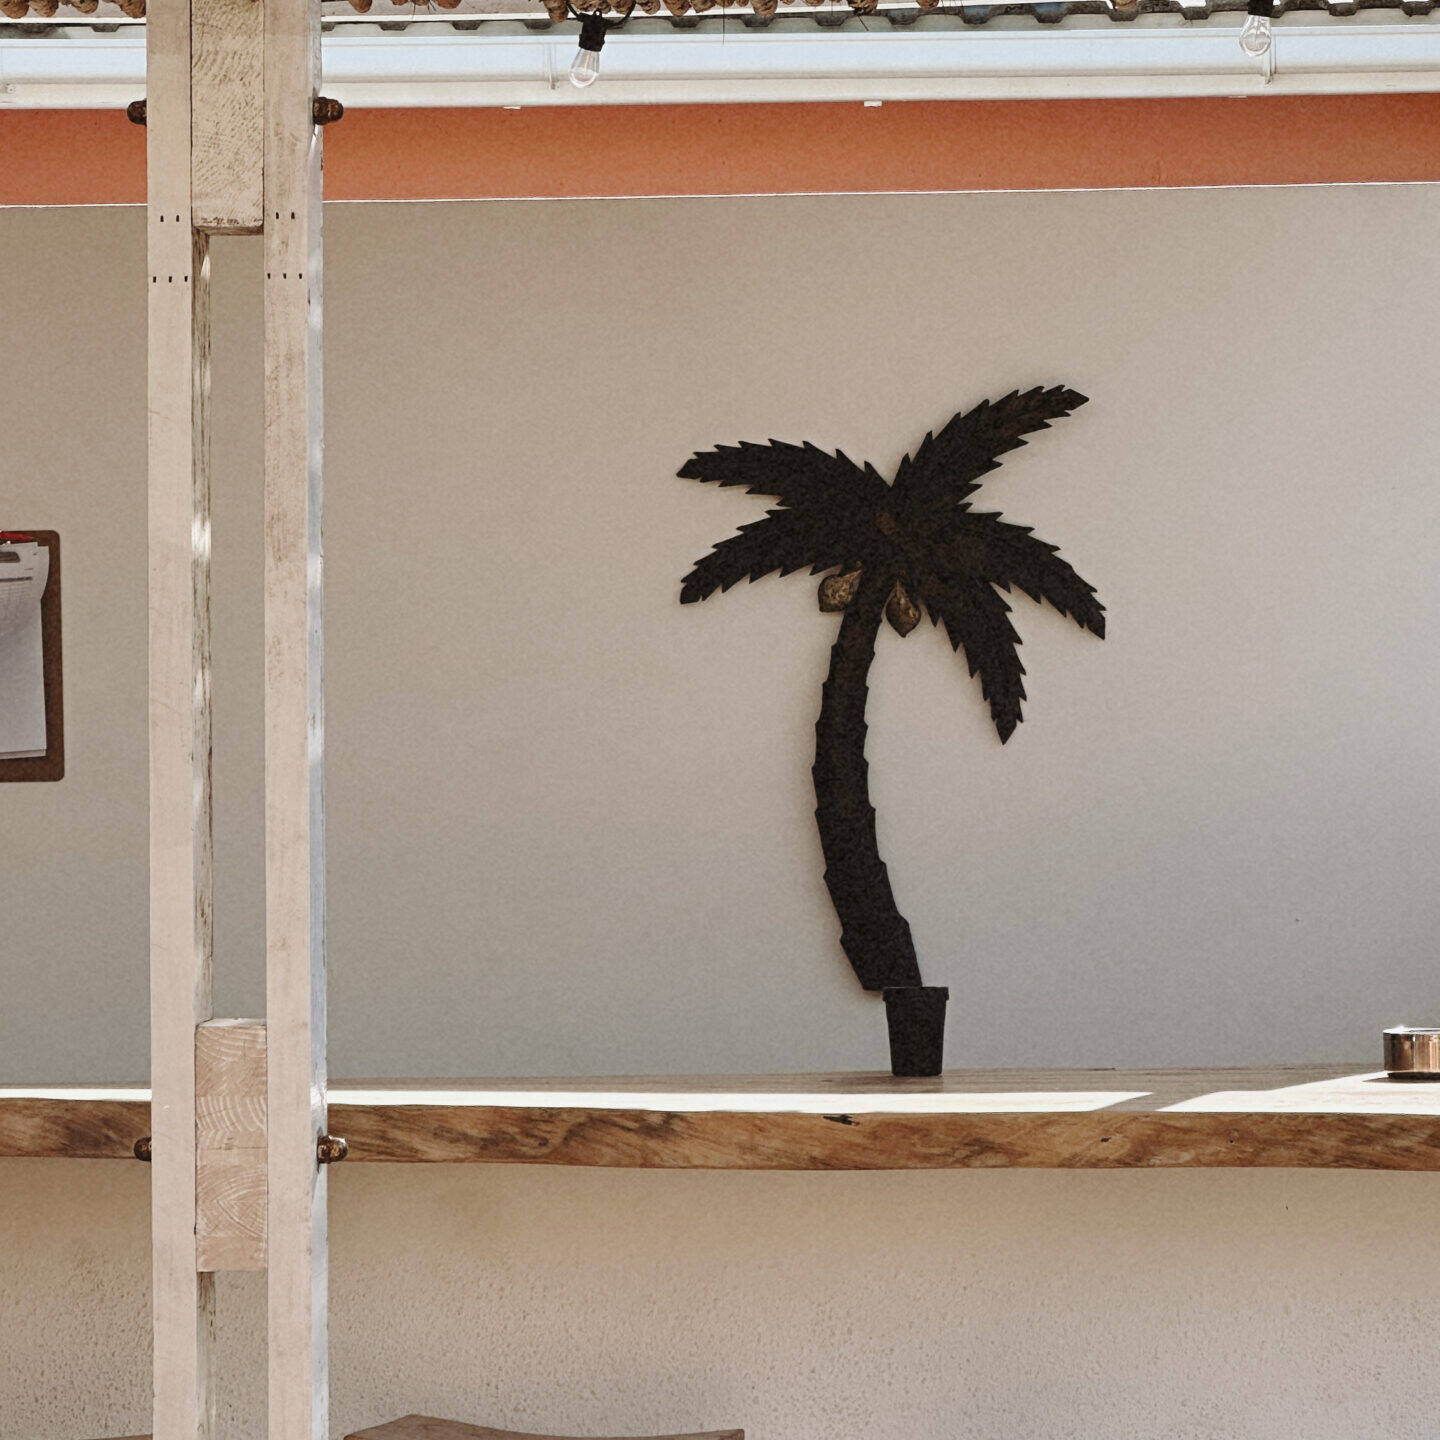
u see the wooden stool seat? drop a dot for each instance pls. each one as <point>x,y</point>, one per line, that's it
<point>426,1427</point>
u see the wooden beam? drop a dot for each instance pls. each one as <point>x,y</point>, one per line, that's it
<point>294,728</point>
<point>179,704</point>
<point>100,1122</point>
<point>427,1427</point>
<point>1308,1117</point>
<point>1311,1117</point>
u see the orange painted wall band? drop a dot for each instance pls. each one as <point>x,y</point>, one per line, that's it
<point>68,157</point>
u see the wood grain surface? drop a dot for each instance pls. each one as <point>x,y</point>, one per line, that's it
<point>1306,1116</point>
<point>426,1427</point>
<point>227,122</point>
<point>230,1158</point>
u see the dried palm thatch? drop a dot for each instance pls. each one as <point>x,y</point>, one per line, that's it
<point>45,9</point>
<point>556,9</point>
<point>763,10</point>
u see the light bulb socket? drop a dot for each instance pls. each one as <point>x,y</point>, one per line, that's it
<point>1265,9</point>
<point>593,26</point>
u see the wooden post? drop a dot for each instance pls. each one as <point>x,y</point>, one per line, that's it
<point>294,727</point>
<point>232,146</point>
<point>180,806</point>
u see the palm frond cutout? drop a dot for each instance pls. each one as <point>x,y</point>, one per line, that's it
<point>977,620</point>
<point>949,463</point>
<point>1010,556</point>
<point>784,541</point>
<point>796,475</point>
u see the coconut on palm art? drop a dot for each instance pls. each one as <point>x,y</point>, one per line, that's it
<point>895,549</point>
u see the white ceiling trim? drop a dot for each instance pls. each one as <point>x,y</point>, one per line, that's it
<point>1078,58</point>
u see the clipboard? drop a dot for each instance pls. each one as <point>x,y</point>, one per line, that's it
<point>50,765</point>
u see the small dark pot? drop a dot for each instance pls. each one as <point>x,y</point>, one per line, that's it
<point>916,1016</point>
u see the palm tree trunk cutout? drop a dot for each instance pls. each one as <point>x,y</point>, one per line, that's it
<point>873,933</point>
<point>893,548</point>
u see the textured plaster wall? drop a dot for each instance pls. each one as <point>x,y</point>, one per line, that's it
<point>570,821</point>
<point>806,1307</point>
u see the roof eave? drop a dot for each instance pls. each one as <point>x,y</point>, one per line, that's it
<point>653,63</point>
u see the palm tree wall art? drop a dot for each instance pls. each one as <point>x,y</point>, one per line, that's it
<point>894,550</point>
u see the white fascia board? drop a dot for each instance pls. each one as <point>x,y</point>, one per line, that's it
<point>1081,57</point>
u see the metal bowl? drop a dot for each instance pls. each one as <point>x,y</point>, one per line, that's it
<point>1412,1053</point>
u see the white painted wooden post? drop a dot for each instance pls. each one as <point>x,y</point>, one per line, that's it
<point>294,727</point>
<point>232,146</point>
<point>180,806</point>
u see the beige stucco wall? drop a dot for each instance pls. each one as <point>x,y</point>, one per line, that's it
<point>570,821</point>
<point>966,1306</point>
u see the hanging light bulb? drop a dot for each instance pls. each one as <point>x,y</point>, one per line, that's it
<point>1256,36</point>
<point>585,69</point>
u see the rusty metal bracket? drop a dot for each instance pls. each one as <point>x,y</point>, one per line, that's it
<point>331,1149</point>
<point>325,111</point>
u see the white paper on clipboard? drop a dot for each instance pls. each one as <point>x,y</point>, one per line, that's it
<point>22,650</point>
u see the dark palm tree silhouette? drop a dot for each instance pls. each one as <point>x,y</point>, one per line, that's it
<point>895,548</point>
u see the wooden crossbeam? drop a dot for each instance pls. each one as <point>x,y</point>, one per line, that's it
<point>1310,1116</point>
<point>427,1427</point>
